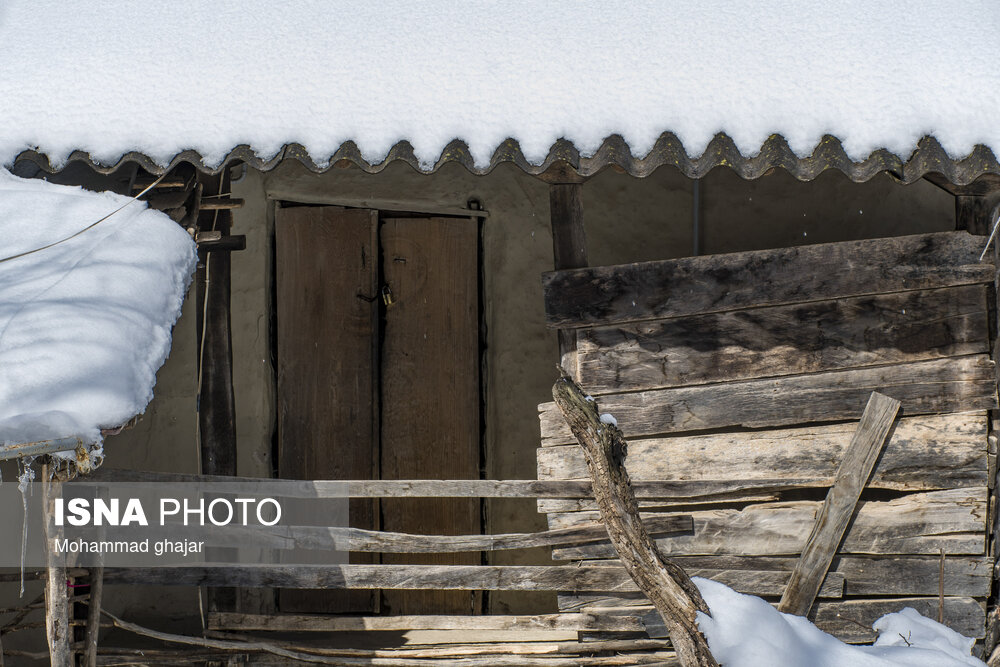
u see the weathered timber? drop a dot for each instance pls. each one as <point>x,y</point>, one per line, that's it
<point>400,577</point>
<point>669,588</point>
<point>569,251</point>
<point>359,540</point>
<point>719,283</point>
<point>584,622</point>
<point>851,620</point>
<point>924,387</point>
<point>430,390</point>
<point>706,490</point>
<point>918,524</point>
<point>96,581</point>
<point>983,185</point>
<point>784,340</point>
<point>923,454</point>
<point>838,508</point>
<point>972,212</point>
<point>57,630</point>
<point>735,497</point>
<point>220,204</point>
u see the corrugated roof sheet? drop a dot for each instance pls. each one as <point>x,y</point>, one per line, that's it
<point>928,158</point>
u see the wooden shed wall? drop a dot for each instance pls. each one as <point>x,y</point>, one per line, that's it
<point>739,378</point>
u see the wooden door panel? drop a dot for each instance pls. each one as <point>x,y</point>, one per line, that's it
<point>430,391</point>
<point>328,365</point>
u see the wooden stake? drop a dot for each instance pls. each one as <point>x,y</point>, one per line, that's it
<point>57,629</point>
<point>93,616</point>
<point>835,515</point>
<point>666,584</point>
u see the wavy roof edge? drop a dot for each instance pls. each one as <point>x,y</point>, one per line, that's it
<point>927,158</point>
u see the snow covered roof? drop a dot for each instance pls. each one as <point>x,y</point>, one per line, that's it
<point>858,86</point>
<point>84,323</point>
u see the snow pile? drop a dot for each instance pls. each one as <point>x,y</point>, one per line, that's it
<point>746,631</point>
<point>84,324</point>
<point>107,77</point>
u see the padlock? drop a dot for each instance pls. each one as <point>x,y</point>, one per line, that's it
<point>387,295</point>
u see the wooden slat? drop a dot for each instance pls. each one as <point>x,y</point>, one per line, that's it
<point>327,362</point>
<point>302,623</point>
<point>784,340</point>
<point>430,389</point>
<point>838,508</point>
<point>864,575</point>
<point>719,283</point>
<point>923,454</point>
<point>925,387</point>
<point>441,577</point>
<point>918,523</point>
<point>851,620</point>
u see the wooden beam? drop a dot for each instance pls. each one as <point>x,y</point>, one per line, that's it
<point>57,628</point>
<point>984,185</point>
<point>669,588</point>
<point>841,501</point>
<point>577,622</point>
<point>569,250</point>
<point>972,213</point>
<point>718,283</point>
<point>93,616</point>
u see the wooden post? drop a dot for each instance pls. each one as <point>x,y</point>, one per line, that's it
<point>665,583</point>
<point>833,518</point>
<point>57,630</point>
<point>94,616</point>
<point>569,250</point>
<point>216,399</point>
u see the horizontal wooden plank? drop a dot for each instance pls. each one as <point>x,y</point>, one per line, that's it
<point>577,578</point>
<point>784,340</point>
<point>871,576</point>
<point>918,523</point>
<point>719,283</point>
<point>582,622</point>
<point>923,453</point>
<point>585,505</point>
<point>851,620</point>
<point>958,384</point>
<point>373,541</point>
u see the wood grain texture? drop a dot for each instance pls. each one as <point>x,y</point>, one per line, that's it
<point>430,389</point>
<point>784,340</point>
<point>667,585</point>
<point>923,454</point>
<point>838,508</point>
<point>719,283</point>
<point>863,576</point>
<point>327,363</point>
<point>917,523</point>
<point>311,623</point>
<point>925,387</point>
<point>569,249</point>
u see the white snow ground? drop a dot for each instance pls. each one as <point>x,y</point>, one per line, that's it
<point>85,324</point>
<point>746,631</point>
<point>166,76</point>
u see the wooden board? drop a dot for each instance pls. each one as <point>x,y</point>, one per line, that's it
<point>299,623</point>
<point>327,364</point>
<point>864,575</point>
<point>430,389</point>
<point>943,385</point>
<point>924,453</point>
<point>918,523</point>
<point>719,283</point>
<point>784,340</point>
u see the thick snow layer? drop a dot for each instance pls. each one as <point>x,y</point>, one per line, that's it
<point>164,76</point>
<point>85,324</point>
<point>746,631</point>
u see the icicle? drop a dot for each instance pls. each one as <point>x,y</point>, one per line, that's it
<point>24,479</point>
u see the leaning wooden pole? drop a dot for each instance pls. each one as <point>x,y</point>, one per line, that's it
<point>57,630</point>
<point>665,583</point>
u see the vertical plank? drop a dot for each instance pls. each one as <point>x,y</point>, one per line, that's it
<point>841,501</point>
<point>569,251</point>
<point>327,273</point>
<point>57,630</point>
<point>430,391</point>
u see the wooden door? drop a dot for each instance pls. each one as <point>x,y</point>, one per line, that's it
<point>368,390</point>
<point>430,391</point>
<point>328,365</point>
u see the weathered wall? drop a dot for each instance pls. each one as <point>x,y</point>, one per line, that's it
<point>627,220</point>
